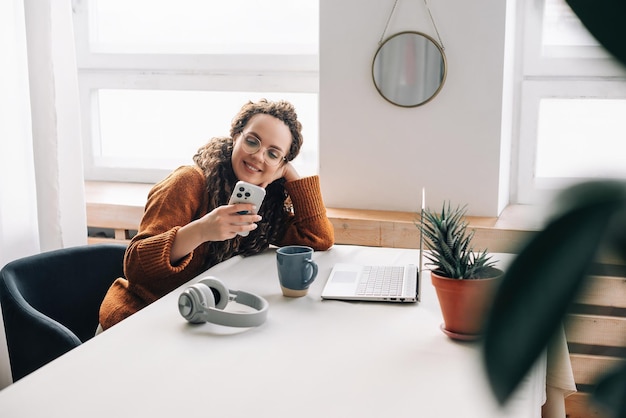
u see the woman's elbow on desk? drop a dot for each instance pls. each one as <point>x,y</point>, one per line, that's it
<point>320,242</point>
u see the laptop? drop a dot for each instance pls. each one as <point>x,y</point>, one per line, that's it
<point>376,283</point>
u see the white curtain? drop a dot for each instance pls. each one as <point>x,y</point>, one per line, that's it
<point>42,205</point>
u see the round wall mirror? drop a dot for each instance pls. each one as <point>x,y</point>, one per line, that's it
<point>409,69</point>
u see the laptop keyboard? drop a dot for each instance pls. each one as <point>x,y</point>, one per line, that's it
<point>381,280</point>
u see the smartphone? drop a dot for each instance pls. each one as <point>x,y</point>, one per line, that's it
<point>247,193</point>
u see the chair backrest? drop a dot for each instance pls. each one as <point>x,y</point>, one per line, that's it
<point>50,301</point>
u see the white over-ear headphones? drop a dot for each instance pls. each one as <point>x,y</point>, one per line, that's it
<point>205,301</point>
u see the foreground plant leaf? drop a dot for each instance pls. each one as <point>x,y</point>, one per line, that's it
<point>543,280</point>
<point>610,392</point>
<point>605,20</point>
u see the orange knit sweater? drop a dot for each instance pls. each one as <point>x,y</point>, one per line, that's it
<point>176,201</point>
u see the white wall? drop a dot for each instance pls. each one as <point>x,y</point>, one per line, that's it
<point>385,154</point>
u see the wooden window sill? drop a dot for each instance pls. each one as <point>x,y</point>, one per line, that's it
<point>119,207</point>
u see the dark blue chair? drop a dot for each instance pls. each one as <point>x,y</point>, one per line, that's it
<point>50,301</point>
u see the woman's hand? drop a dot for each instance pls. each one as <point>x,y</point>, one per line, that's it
<point>221,224</point>
<point>225,222</point>
<point>285,170</point>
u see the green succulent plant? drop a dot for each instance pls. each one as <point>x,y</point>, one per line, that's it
<point>450,243</point>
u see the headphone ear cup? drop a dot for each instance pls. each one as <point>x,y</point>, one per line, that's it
<point>219,292</point>
<point>198,297</point>
<point>205,302</point>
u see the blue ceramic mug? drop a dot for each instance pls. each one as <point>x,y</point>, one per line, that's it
<point>296,269</point>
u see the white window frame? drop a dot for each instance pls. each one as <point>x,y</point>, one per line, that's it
<point>534,189</point>
<point>573,61</point>
<point>578,72</point>
<point>208,72</point>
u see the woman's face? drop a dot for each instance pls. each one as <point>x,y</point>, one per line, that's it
<point>275,140</point>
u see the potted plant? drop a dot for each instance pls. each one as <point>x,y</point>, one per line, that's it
<point>465,280</point>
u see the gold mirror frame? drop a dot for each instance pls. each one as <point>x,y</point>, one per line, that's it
<point>409,69</point>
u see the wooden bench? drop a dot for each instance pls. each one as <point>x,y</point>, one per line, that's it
<point>115,209</point>
<point>118,207</point>
<point>596,334</point>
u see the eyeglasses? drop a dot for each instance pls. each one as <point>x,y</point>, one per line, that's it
<point>251,145</point>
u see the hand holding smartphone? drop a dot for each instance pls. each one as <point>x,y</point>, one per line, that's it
<point>245,192</point>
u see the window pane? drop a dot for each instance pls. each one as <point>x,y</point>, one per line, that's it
<point>561,26</point>
<point>581,138</point>
<point>164,128</point>
<point>204,26</point>
<point>564,35</point>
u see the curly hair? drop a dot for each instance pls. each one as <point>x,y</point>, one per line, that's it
<point>214,158</point>
<point>282,110</point>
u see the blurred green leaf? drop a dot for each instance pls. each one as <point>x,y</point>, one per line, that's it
<point>543,280</point>
<point>610,392</point>
<point>605,20</point>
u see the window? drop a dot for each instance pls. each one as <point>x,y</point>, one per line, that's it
<point>573,96</point>
<point>158,78</point>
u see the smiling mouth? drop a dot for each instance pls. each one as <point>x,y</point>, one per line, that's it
<point>251,167</point>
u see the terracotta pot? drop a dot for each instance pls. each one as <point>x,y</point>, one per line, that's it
<point>465,303</point>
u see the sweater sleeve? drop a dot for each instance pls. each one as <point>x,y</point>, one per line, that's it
<point>174,202</point>
<point>309,224</point>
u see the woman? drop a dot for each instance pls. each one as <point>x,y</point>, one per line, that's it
<point>188,226</point>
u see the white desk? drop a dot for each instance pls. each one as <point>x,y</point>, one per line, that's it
<point>312,358</point>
